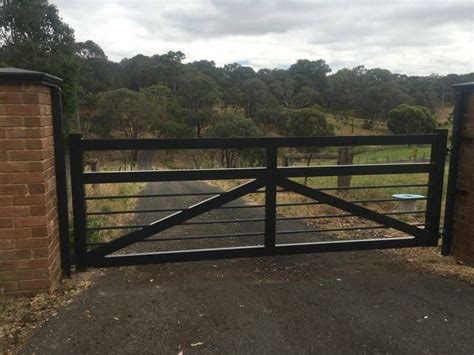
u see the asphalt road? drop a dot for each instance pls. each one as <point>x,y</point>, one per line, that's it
<point>353,302</point>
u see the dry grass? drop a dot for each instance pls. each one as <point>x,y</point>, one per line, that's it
<point>20,316</point>
<point>111,205</point>
<point>430,260</point>
<point>419,259</point>
<point>322,209</point>
<point>344,127</point>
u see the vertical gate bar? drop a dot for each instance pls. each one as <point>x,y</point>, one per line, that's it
<point>78,201</point>
<point>61,181</point>
<point>270,196</point>
<point>435,184</point>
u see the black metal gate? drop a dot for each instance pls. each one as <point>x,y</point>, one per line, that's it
<point>272,178</point>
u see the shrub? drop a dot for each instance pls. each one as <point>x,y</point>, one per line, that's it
<point>307,122</point>
<point>233,124</point>
<point>407,119</point>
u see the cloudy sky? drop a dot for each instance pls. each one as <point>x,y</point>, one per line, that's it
<point>412,37</point>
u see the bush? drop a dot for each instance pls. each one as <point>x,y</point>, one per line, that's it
<point>174,129</point>
<point>306,122</point>
<point>407,119</point>
<point>232,124</point>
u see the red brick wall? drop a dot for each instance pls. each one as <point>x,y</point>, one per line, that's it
<point>29,240</point>
<point>462,245</point>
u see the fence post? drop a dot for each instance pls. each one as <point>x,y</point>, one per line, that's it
<point>435,184</point>
<point>270,196</point>
<point>78,202</point>
<point>345,156</point>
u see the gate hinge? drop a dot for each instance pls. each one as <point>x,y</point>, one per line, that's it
<point>462,192</point>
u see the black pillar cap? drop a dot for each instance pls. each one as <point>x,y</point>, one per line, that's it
<point>23,76</point>
<point>464,87</point>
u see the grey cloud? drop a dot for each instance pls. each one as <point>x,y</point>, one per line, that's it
<point>345,33</point>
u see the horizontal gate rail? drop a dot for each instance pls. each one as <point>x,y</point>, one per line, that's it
<point>253,173</point>
<point>111,197</point>
<point>252,251</point>
<point>270,180</point>
<point>101,213</point>
<point>256,234</point>
<point>246,143</point>
<point>252,220</point>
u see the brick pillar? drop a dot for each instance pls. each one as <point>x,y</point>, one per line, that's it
<point>460,198</point>
<point>29,230</point>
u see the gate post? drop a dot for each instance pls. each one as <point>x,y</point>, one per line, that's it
<point>33,199</point>
<point>270,196</point>
<point>435,184</point>
<point>459,217</point>
<point>78,201</point>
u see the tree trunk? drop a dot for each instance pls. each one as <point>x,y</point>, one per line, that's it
<point>78,119</point>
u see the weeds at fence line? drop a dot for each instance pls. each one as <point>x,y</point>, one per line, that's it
<point>110,205</point>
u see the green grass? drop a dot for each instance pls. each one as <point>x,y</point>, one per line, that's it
<point>391,154</point>
<point>374,180</point>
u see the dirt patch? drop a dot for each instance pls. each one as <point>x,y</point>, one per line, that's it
<point>20,316</point>
<point>431,260</point>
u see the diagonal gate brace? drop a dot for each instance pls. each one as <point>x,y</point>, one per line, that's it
<point>177,218</point>
<point>353,208</point>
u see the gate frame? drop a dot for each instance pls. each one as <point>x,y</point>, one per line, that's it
<point>269,177</point>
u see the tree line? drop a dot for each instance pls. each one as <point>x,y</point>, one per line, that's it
<point>162,95</point>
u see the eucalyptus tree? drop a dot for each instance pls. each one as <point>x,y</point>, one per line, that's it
<point>33,36</point>
<point>197,93</point>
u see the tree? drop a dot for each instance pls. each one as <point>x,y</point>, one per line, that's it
<point>311,73</point>
<point>269,117</point>
<point>306,97</point>
<point>90,50</point>
<point>169,67</point>
<point>209,68</point>
<point>255,95</point>
<point>197,93</point>
<point>407,119</point>
<point>138,72</point>
<point>233,124</point>
<point>175,129</point>
<point>124,111</point>
<point>97,73</point>
<point>234,76</point>
<point>346,88</point>
<point>381,94</point>
<point>307,122</point>
<point>162,101</point>
<point>284,90</point>
<point>33,36</point>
